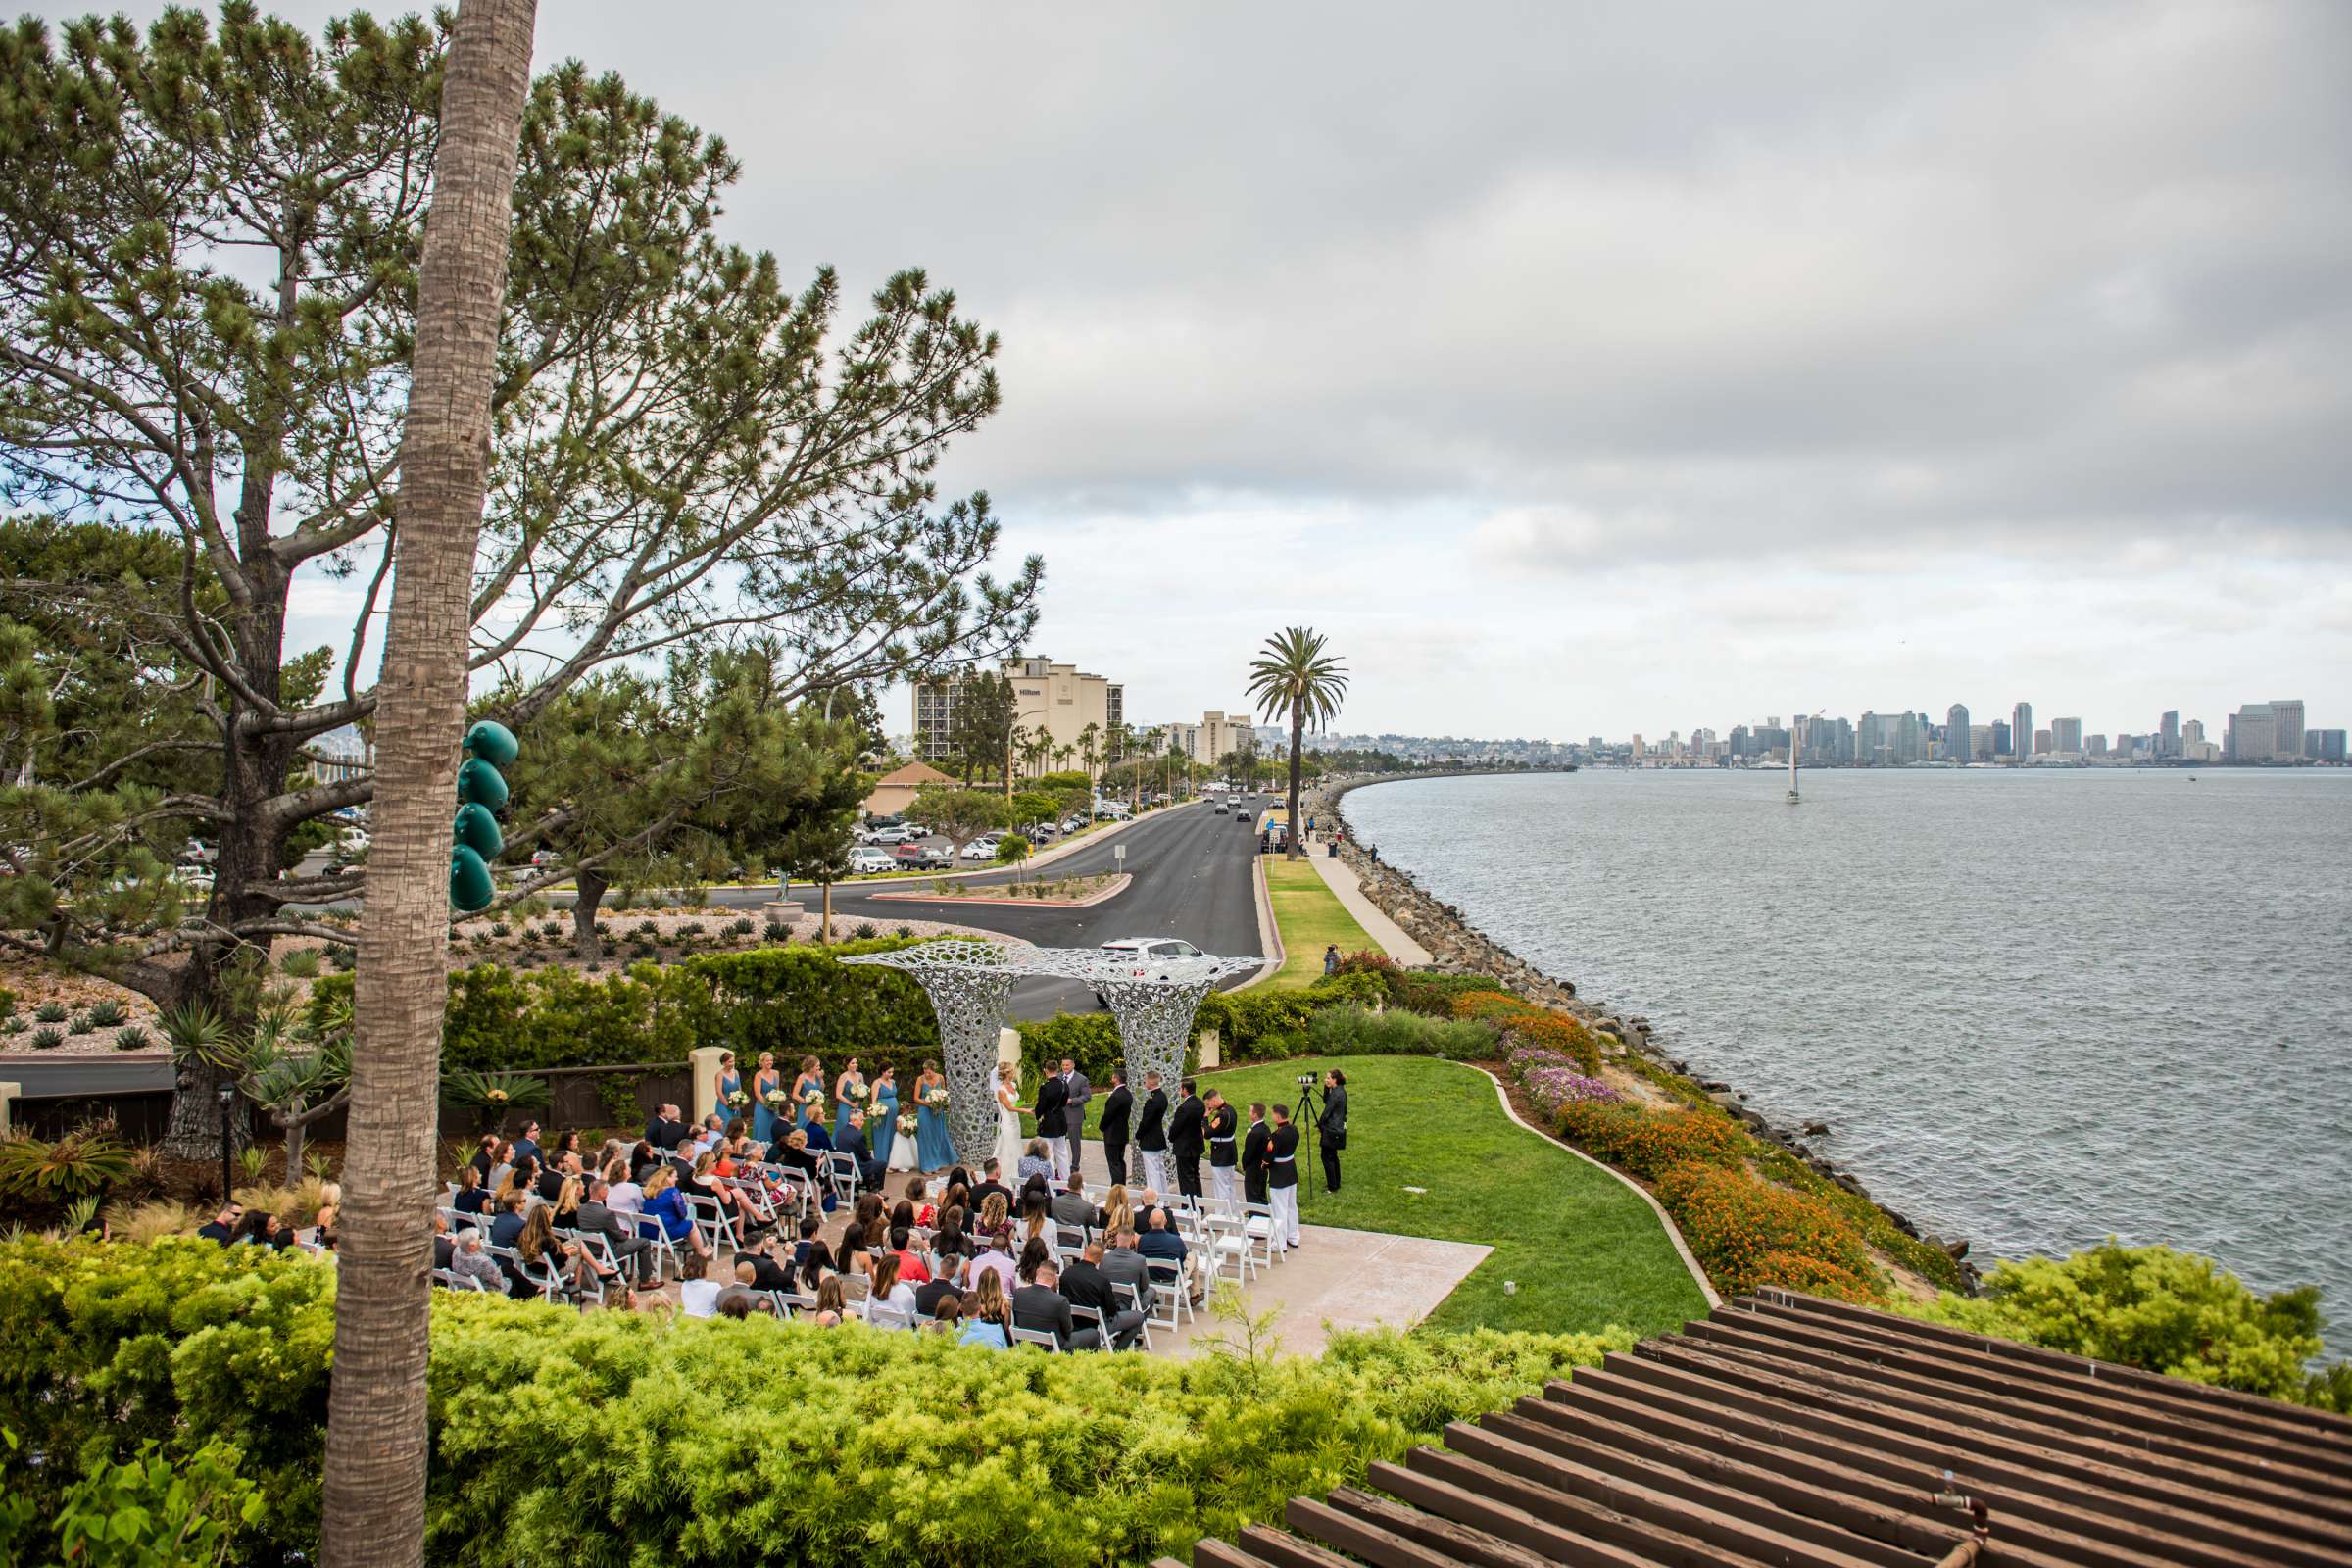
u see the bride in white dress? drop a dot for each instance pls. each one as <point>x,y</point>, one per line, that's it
<point>1009,1122</point>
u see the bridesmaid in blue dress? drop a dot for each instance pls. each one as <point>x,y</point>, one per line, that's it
<point>844,1102</point>
<point>882,1125</point>
<point>765,1082</point>
<point>812,1081</point>
<point>934,1149</point>
<point>730,1084</point>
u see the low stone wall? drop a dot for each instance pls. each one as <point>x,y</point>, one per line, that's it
<point>1456,947</point>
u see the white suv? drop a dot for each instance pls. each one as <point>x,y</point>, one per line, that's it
<point>866,863</point>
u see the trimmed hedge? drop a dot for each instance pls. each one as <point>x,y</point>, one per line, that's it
<point>563,1437</point>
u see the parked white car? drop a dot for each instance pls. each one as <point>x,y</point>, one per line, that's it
<point>884,837</point>
<point>981,850</point>
<point>868,863</point>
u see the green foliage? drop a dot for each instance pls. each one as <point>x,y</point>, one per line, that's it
<point>1350,1031</point>
<point>154,1510</point>
<point>48,1038</point>
<point>132,1039</point>
<point>956,815</point>
<point>1357,987</point>
<point>493,1091</point>
<point>303,963</point>
<point>2154,1308</point>
<point>50,1013</point>
<point>106,1014</point>
<point>833,1440</point>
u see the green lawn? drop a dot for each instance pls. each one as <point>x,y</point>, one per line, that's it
<point>1584,1251</point>
<point>1312,918</point>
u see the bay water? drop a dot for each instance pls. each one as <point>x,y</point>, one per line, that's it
<point>2036,1007</point>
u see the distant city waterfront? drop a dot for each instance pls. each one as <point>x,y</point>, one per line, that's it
<point>2036,1007</point>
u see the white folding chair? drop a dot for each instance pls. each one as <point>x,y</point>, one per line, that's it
<point>550,1284</point>
<point>1037,1336</point>
<point>1170,1288</point>
<point>456,1281</point>
<point>1228,1246</point>
<point>1257,1223</point>
<point>1122,1291</point>
<point>888,1317</point>
<point>1083,1315</point>
<point>651,1230</point>
<point>714,1223</point>
<point>842,1171</point>
<point>1069,1241</point>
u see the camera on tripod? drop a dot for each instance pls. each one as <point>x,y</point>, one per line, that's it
<point>1306,1080</point>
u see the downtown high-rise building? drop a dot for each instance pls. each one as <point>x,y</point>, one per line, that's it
<point>2021,733</point>
<point>2168,731</point>
<point>2286,728</point>
<point>1958,745</point>
<point>2066,737</point>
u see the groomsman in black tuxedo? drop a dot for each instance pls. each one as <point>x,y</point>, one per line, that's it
<point>1282,1181</point>
<point>1151,1134</point>
<point>1052,1105</point>
<point>1118,1110</point>
<point>1257,1153</point>
<point>1224,1146</point>
<point>1187,1139</point>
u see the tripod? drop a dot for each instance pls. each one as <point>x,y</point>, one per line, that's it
<point>1305,1119</point>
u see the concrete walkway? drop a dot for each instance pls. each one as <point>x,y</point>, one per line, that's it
<point>1344,881</point>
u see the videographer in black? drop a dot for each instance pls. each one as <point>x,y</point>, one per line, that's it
<point>1333,1125</point>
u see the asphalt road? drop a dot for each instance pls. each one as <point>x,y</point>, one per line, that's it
<point>1192,877</point>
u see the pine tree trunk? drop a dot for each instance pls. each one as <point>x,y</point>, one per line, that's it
<point>589,889</point>
<point>377,1438</point>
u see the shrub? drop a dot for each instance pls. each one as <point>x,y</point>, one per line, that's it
<point>305,963</point>
<point>50,1013</point>
<point>864,931</point>
<point>1353,1032</point>
<point>1742,1229</point>
<point>2155,1308</point>
<point>82,1162</point>
<point>1434,994</point>
<point>48,1038</point>
<point>14,1024</point>
<point>1648,1143</point>
<point>107,1015</point>
<point>1550,1088</point>
<point>1358,987</point>
<point>131,1039</point>
<point>1492,1006</point>
<point>776,931</point>
<point>832,1434</point>
<point>80,1024</point>
<point>1551,1031</point>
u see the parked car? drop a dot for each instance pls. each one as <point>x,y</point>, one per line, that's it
<point>895,833</point>
<point>981,850</point>
<point>1147,952</point>
<point>920,858</point>
<point>870,862</point>
<point>1073,824</point>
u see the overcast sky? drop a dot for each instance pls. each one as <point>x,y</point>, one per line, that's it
<point>1587,369</point>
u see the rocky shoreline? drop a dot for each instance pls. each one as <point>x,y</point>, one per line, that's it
<point>1456,947</point>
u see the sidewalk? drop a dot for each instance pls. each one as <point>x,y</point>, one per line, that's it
<point>1343,882</point>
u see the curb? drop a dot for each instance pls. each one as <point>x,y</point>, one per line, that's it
<point>1674,1232</point>
<point>1125,880</point>
<point>1269,935</point>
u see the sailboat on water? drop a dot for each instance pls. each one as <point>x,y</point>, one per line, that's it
<point>1793,798</point>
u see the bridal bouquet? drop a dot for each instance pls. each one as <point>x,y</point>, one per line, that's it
<point>776,1099</point>
<point>936,1097</point>
<point>907,1124</point>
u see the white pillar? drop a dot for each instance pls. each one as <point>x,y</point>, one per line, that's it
<point>8,1101</point>
<point>703,1064</point>
<point>1210,1050</point>
<point>1008,1046</point>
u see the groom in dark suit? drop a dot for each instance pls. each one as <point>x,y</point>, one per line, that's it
<point>1118,1110</point>
<point>1053,1112</point>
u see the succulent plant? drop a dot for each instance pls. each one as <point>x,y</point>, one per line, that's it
<point>48,1038</point>
<point>132,1039</point>
<point>107,1015</point>
<point>50,1013</point>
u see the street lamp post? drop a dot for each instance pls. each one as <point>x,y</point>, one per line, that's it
<point>228,1136</point>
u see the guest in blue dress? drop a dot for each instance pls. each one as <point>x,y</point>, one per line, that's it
<point>730,1084</point>
<point>765,1082</point>
<point>846,1097</point>
<point>812,1081</point>
<point>883,1124</point>
<point>934,1149</point>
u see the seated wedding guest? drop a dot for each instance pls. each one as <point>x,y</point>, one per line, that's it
<point>1035,1162</point>
<point>953,1221</point>
<point>863,1215</point>
<point>746,1281</point>
<point>565,1204</point>
<point>816,1138</point>
<point>521,1177</point>
<point>472,1196</point>
<point>663,1206</point>
<point>994,1224</point>
<point>662,1129</point>
<point>265,1229</point>
<point>560,1169</point>
<point>948,1316</point>
<point>644,1160</point>
<point>1070,1206</point>
<point>743,1305</point>
<point>990,1186</point>
<point>703,1182</point>
<point>527,1144</point>
<point>832,1302</point>
<point>1040,1306</point>
<point>1086,1284</point>
<point>538,1247</point>
<point>769,1271</point>
<point>596,1215</point>
<point>473,1262</point>
<point>698,1295</point>
<point>1034,1251</point>
<point>926,1212</point>
<point>889,1291</point>
<point>1161,1242</point>
<point>911,1267</point>
<point>817,1269</point>
<point>793,1154</point>
<point>562,1143</point>
<point>902,1214</point>
<point>811,1228</point>
<point>223,1226</point>
<point>1036,1220</point>
<point>1122,1264</point>
<point>943,1285</point>
<point>957,1176</point>
<point>995,1262</point>
<point>331,1206</point>
<point>680,1162</point>
<point>508,1223</point>
<point>622,1195</point>
<point>485,1157</point>
<point>986,1315</point>
<point>613,1149</point>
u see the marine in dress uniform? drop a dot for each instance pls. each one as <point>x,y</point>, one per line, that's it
<point>1282,1181</point>
<point>1224,1147</point>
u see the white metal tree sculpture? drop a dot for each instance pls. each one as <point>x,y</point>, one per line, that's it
<point>1154,1002</point>
<point>968,984</point>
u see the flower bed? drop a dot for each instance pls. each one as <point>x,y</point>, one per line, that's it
<point>1648,1143</point>
<point>1749,1234</point>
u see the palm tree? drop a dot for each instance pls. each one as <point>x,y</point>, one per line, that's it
<point>376,1434</point>
<point>1090,751</point>
<point>1294,676</point>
